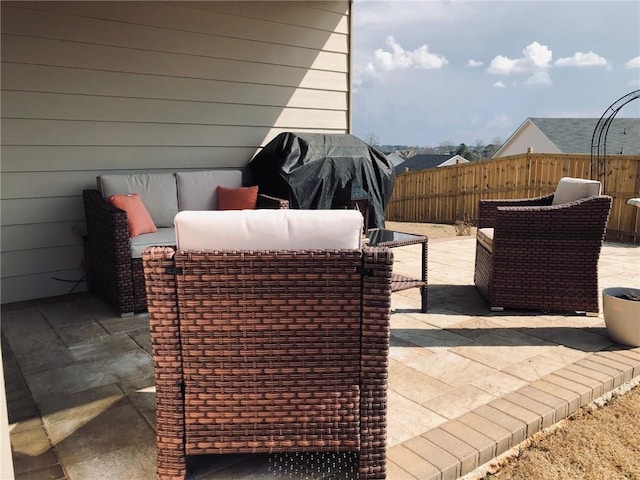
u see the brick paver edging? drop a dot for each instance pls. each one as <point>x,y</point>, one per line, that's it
<point>472,441</point>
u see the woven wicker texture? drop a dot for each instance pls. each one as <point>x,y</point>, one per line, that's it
<point>544,257</point>
<point>113,274</point>
<point>270,352</point>
<point>110,273</point>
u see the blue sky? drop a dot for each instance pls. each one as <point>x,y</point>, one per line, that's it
<point>427,72</point>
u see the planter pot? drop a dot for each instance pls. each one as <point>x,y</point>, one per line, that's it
<point>622,316</point>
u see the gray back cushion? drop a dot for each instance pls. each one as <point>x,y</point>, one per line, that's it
<point>198,190</point>
<point>157,190</point>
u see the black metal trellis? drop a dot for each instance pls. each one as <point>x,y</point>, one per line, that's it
<point>599,137</point>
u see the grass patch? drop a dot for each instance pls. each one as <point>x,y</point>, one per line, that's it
<point>595,444</point>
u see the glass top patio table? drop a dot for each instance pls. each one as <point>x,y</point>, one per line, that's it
<point>381,237</point>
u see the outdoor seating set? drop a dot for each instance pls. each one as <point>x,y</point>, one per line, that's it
<point>270,328</point>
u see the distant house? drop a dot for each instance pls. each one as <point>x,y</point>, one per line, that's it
<point>422,161</point>
<point>571,135</point>
<point>455,160</point>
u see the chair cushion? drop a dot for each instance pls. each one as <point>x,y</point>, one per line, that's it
<point>138,217</point>
<point>485,237</point>
<point>197,189</point>
<point>157,190</point>
<point>243,198</point>
<point>269,230</point>
<point>164,237</point>
<point>572,189</point>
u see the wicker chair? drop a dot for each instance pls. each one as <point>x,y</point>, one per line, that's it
<point>542,253</point>
<point>269,350</point>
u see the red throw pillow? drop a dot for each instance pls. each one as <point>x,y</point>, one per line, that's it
<point>138,217</point>
<point>243,198</point>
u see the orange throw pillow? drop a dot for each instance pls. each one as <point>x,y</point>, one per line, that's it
<point>138,217</point>
<point>243,198</point>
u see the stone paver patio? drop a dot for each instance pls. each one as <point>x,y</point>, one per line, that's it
<point>465,384</point>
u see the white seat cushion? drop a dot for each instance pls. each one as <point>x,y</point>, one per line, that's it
<point>485,237</point>
<point>572,189</point>
<point>282,229</point>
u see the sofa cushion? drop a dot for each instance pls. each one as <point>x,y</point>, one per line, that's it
<point>164,237</point>
<point>269,230</point>
<point>242,198</point>
<point>485,237</point>
<point>138,217</point>
<point>157,190</point>
<point>197,189</point>
<point>572,189</point>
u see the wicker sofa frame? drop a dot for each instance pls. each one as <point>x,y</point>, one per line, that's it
<point>270,351</point>
<point>113,274</point>
<point>544,256</point>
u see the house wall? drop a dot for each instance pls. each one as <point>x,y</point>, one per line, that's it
<point>95,87</point>
<point>529,136</point>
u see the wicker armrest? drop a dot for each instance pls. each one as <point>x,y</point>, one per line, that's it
<point>376,312</point>
<point>581,220</point>
<point>105,223</point>
<point>487,208</point>
<point>267,201</point>
<point>108,248</point>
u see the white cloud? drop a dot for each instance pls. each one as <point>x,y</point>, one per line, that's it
<point>502,65</point>
<point>539,79</point>
<point>538,55</point>
<point>499,121</point>
<point>535,56</point>
<point>580,59</point>
<point>474,63</point>
<point>361,74</point>
<point>398,58</point>
<point>633,63</point>
<point>499,84</point>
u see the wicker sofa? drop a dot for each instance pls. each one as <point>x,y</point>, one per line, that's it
<point>542,253</point>
<point>260,349</point>
<point>114,259</point>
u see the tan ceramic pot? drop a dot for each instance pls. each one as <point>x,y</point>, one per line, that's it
<point>622,316</point>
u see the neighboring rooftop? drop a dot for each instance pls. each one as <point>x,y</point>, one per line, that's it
<point>572,135</point>
<point>421,161</point>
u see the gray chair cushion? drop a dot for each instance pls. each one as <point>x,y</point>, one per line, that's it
<point>164,237</point>
<point>158,192</point>
<point>198,190</point>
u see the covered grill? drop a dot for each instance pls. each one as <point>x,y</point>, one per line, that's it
<point>324,171</point>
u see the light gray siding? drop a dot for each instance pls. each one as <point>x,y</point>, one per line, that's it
<point>91,87</point>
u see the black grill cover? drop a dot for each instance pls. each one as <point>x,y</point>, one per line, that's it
<point>318,171</point>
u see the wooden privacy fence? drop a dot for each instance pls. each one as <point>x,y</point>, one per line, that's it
<point>450,194</point>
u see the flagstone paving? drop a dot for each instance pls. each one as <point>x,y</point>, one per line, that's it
<point>465,384</point>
